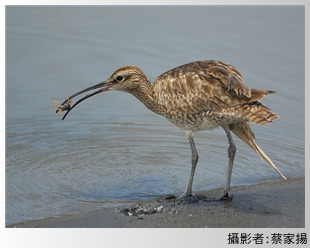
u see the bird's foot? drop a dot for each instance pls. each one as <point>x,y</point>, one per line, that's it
<point>184,198</point>
<point>187,197</point>
<point>226,195</point>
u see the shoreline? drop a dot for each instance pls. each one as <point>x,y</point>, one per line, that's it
<point>274,204</point>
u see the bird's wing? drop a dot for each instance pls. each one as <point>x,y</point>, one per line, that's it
<point>202,85</point>
<point>228,75</point>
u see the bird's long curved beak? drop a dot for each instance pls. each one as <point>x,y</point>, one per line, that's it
<point>105,86</point>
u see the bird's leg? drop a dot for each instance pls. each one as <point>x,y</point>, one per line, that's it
<point>231,155</point>
<point>189,193</point>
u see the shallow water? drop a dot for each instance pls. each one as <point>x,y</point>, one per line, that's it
<point>111,149</point>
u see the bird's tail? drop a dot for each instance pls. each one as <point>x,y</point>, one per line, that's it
<point>244,132</point>
<point>253,111</point>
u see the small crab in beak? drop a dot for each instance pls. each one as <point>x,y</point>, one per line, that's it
<point>62,107</point>
<point>66,105</point>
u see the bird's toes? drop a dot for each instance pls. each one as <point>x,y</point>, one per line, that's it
<point>226,195</point>
<point>187,198</point>
<point>182,199</point>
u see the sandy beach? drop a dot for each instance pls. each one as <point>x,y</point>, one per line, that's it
<point>273,204</point>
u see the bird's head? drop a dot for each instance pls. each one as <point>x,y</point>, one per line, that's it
<point>127,78</point>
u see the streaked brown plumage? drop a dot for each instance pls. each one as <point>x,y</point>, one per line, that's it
<point>201,95</point>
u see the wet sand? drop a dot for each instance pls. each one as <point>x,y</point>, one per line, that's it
<point>274,204</point>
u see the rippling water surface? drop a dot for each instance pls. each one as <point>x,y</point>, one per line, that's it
<point>111,149</point>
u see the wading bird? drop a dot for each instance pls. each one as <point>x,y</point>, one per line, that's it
<point>201,95</point>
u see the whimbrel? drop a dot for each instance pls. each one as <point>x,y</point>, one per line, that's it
<point>197,96</point>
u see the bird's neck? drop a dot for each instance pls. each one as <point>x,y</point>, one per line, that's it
<point>145,94</point>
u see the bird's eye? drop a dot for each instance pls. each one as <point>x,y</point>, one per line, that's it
<point>119,78</point>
